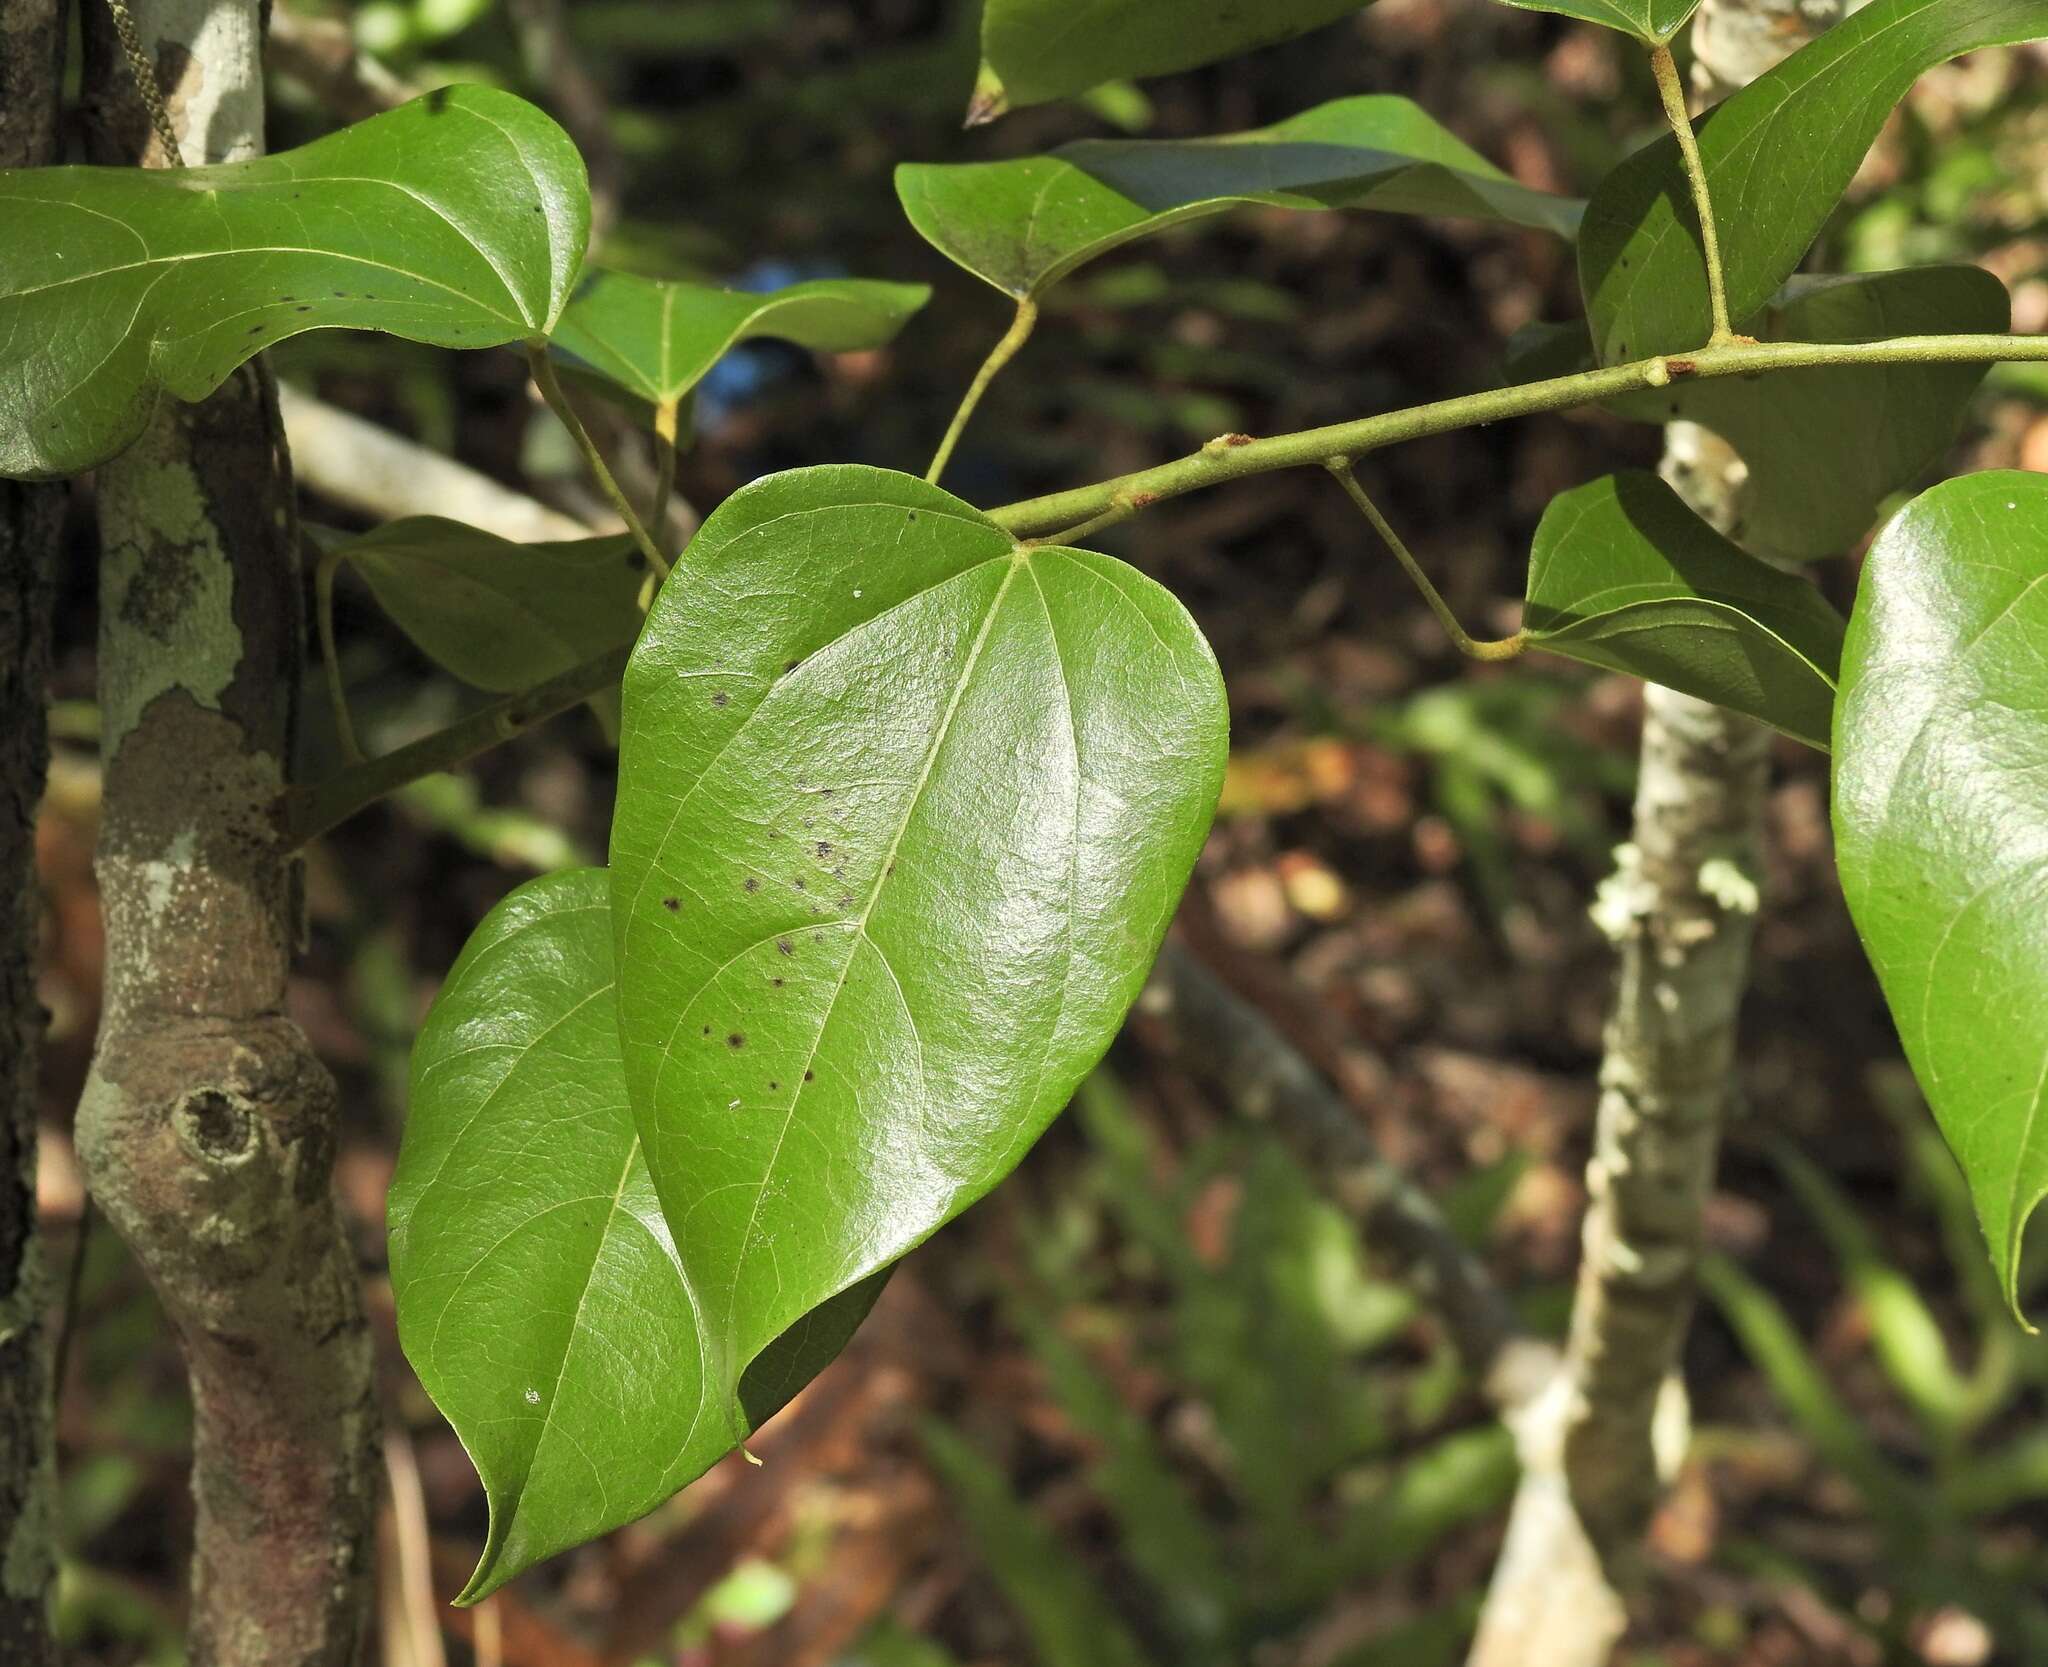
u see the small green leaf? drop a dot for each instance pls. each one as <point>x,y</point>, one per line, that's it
<point>458,219</point>
<point>499,615</point>
<point>539,1296</point>
<point>1023,225</point>
<point>1778,155</point>
<point>1824,448</point>
<point>1941,821</point>
<point>1035,50</point>
<point>1653,22</point>
<point>1623,575</point>
<point>904,810</point>
<point>651,341</point>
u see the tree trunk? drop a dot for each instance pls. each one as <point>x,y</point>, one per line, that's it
<point>31,522</point>
<point>208,1127</point>
<point>1600,1444</point>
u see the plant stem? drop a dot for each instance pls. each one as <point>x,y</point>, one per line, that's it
<point>1476,648</point>
<point>1000,355</point>
<point>313,811</point>
<point>1211,466</point>
<point>550,386</point>
<point>665,418</point>
<point>337,696</point>
<point>1672,91</point>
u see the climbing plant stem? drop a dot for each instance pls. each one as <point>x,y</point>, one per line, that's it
<point>1671,90</point>
<point>1000,355</point>
<point>1476,648</point>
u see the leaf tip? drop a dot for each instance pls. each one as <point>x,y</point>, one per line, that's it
<point>990,99</point>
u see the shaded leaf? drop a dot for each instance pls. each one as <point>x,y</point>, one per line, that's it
<point>651,341</point>
<point>904,810</point>
<point>1623,575</point>
<point>1034,50</point>
<point>1023,225</point>
<point>1941,821</point>
<point>1653,22</point>
<point>539,1295</point>
<point>1824,448</point>
<point>458,219</point>
<point>1778,155</point>
<point>499,615</point>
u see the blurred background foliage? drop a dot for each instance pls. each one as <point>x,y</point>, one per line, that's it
<point>1152,1404</point>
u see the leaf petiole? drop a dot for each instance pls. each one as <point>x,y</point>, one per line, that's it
<point>1671,90</point>
<point>550,386</point>
<point>1000,355</point>
<point>1476,648</point>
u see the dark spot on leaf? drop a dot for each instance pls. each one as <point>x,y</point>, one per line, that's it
<point>721,699</point>
<point>799,885</point>
<point>789,665</point>
<point>913,515</point>
<point>774,1087</point>
<point>735,1040</point>
<point>671,904</point>
<point>303,308</point>
<point>707,1030</point>
<point>824,847</point>
<point>775,983</point>
<point>785,946</point>
<point>753,883</point>
<point>255,329</point>
<point>809,1075</point>
<point>341,295</point>
<point>825,792</point>
<point>846,902</point>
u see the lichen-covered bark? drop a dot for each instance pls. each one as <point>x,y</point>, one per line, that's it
<point>207,1129</point>
<point>31,517</point>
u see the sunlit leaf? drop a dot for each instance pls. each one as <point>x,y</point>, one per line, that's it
<point>1623,575</point>
<point>1941,821</point>
<point>1022,225</point>
<point>458,219</point>
<point>499,615</point>
<point>1650,21</point>
<point>539,1295</point>
<point>1778,154</point>
<point>650,341</point>
<point>904,809</point>
<point>1034,50</point>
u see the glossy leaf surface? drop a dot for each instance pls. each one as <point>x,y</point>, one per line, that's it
<point>1023,225</point>
<point>1941,821</point>
<point>1778,155</point>
<point>1034,50</point>
<point>539,1295</point>
<point>651,341</point>
<point>1824,448</point>
<point>904,810</point>
<point>500,615</point>
<point>458,219</point>
<point>1623,575</point>
<point>1651,21</point>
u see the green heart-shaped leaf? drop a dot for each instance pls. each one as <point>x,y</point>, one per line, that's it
<point>1025,224</point>
<point>650,341</point>
<point>1778,156</point>
<point>1941,821</point>
<point>539,1295</point>
<point>499,615</point>
<point>904,810</point>
<point>1824,448</point>
<point>1653,22</point>
<point>458,219</point>
<point>1623,575</point>
<point>1034,50</point>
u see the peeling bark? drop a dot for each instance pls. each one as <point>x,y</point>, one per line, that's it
<point>31,523</point>
<point>208,1127</point>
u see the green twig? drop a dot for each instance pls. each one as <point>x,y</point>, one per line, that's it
<point>1120,509</point>
<point>312,811</point>
<point>1672,91</point>
<point>323,613</point>
<point>1000,355</point>
<point>1477,648</point>
<point>550,386</point>
<point>1212,465</point>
